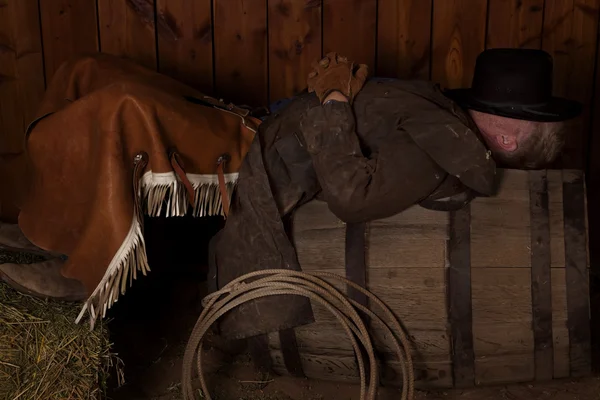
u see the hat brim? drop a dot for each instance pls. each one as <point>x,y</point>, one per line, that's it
<point>556,110</point>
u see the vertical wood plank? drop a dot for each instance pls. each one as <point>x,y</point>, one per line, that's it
<point>570,35</point>
<point>350,29</point>
<point>593,197</point>
<point>294,42</point>
<point>185,47</point>
<point>21,88</point>
<point>21,71</point>
<point>69,27</point>
<point>460,310</point>
<point>515,23</point>
<point>576,273</point>
<point>458,38</point>
<point>127,29</point>
<point>241,51</point>
<point>541,280</point>
<point>404,39</point>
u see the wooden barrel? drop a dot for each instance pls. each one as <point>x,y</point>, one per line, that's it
<point>496,292</point>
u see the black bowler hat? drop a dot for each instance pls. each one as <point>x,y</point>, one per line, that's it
<point>515,83</point>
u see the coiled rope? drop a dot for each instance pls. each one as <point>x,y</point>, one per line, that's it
<point>281,282</point>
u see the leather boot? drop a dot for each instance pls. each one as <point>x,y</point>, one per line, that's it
<point>43,279</point>
<point>12,238</point>
<point>40,279</point>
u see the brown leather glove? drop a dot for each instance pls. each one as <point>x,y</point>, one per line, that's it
<point>335,73</point>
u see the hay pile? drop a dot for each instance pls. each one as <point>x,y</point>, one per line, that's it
<point>44,355</point>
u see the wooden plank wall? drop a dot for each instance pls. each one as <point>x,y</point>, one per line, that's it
<point>256,51</point>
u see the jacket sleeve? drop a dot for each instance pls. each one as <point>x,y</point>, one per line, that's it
<point>358,187</point>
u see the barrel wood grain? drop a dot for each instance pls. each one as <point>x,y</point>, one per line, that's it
<point>507,299</point>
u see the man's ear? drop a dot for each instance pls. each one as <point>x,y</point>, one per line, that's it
<point>507,142</point>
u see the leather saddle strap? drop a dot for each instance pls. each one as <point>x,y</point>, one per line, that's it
<point>140,161</point>
<point>212,102</point>
<point>222,186</point>
<point>290,352</point>
<point>454,203</point>
<point>356,263</point>
<point>356,267</point>
<point>287,337</point>
<point>177,165</point>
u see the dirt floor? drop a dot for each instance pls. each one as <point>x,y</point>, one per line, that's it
<point>152,322</point>
<point>242,382</point>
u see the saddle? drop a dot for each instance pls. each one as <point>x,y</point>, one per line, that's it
<point>112,141</point>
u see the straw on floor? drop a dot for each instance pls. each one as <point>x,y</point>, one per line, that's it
<point>45,355</point>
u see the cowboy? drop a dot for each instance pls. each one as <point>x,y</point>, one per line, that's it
<point>369,149</point>
<point>373,148</point>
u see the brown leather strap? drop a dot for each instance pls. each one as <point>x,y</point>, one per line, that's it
<point>287,337</point>
<point>247,120</point>
<point>222,187</point>
<point>139,163</point>
<point>453,203</point>
<point>219,104</point>
<point>177,165</point>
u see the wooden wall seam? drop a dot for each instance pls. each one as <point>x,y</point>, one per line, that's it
<point>42,45</point>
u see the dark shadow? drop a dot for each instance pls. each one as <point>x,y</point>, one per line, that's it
<point>151,323</point>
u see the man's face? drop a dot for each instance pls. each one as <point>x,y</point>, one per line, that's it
<point>519,143</point>
<point>503,134</point>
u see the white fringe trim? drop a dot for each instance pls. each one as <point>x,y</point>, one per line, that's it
<point>129,259</point>
<point>161,192</point>
<point>164,192</point>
